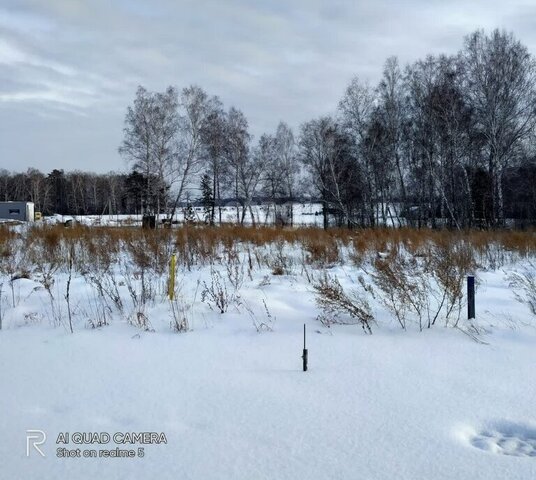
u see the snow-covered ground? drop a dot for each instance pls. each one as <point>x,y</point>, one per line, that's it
<point>304,214</point>
<point>233,403</point>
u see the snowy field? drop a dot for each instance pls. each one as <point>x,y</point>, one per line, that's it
<point>304,214</point>
<point>233,403</point>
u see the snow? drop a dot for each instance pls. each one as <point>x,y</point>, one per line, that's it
<point>304,214</point>
<point>234,404</point>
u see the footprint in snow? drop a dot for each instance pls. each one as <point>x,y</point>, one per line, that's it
<point>505,438</point>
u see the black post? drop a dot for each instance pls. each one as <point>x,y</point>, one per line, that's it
<point>304,356</point>
<point>470,297</point>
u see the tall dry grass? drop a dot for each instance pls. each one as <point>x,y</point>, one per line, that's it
<point>416,273</point>
<point>194,245</point>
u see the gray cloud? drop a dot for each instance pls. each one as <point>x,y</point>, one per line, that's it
<point>69,68</point>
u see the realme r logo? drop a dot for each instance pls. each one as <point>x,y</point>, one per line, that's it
<point>34,438</point>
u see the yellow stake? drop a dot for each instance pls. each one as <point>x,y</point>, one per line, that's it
<point>171,286</point>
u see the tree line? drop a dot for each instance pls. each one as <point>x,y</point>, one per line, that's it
<point>76,192</point>
<point>445,141</point>
<point>448,140</point>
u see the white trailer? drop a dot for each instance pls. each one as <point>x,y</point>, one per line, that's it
<point>21,211</point>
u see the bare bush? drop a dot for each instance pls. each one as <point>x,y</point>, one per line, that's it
<point>46,257</point>
<point>56,314</point>
<point>278,260</point>
<point>140,288</point>
<point>179,315</point>
<point>400,280</point>
<point>98,313</point>
<point>70,256</point>
<point>139,319</point>
<point>216,295</point>
<point>139,280</point>
<point>262,320</point>
<point>523,284</point>
<point>335,304</point>
<point>450,263</point>
<point>234,269</point>
<point>105,282</point>
<point>425,282</point>
<point>12,265</point>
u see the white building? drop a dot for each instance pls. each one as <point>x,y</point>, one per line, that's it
<point>22,211</point>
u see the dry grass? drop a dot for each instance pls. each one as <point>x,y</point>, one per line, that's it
<point>206,245</point>
<point>335,304</point>
<point>418,274</point>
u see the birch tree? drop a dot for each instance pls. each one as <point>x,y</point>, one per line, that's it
<point>326,154</point>
<point>500,86</point>
<point>149,142</point>
<point>287,159</point>
<point>187,163</point>
<point>214,140</point>
<point>236,155</point>
<point>356,108</point>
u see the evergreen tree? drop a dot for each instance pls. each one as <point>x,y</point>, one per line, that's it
<point>207,198</point>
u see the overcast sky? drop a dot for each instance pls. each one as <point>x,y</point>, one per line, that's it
<point>70,68</point>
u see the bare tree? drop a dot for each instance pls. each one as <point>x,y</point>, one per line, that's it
<point>272,178</point>
<point>500,84</point>
<point>214,140</point>
<point>195,109</point>
<point>236,155</point>
<point>250,174</point>
<point>165,126</point>
<point>38,189</point>
<point>356,107</point>
<point>454,123</point>
<point>315,151</point>
<point>327,154</point>
<point>391,114</point>
<point>138,138</point>
<point>287,159</point>
<point>149,142</point>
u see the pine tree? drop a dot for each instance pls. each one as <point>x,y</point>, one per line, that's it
<point>207,198</point>
<point>189,214</point>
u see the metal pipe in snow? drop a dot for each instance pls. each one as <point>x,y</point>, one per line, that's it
<point>470,297</point>
<point>305,353</point>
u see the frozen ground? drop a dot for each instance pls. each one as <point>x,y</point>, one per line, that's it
<point>305,214</point>
<point>234,404</point>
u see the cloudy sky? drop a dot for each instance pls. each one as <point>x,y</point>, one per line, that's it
<point>69,68</point>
